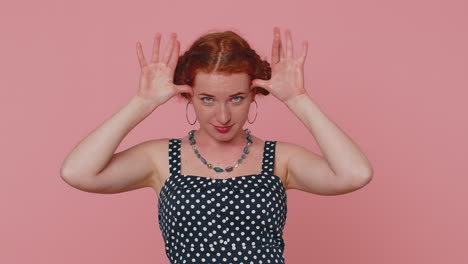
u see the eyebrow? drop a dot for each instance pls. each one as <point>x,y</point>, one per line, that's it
<point>214,96</point>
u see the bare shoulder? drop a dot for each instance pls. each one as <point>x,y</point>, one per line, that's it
<point>284,149</point>
<point>287,148</point>
<point>284,152</point>
<point>157,149</point>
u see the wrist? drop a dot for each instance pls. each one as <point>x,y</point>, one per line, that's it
<point>296,99</point>
<point>144,103</point>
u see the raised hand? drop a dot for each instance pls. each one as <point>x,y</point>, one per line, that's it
<point>156,78</point>
<point>287,72</point>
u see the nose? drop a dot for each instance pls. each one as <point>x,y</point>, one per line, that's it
<point>223,114</point>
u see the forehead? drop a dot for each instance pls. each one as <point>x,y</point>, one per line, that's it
<point>218,83</point>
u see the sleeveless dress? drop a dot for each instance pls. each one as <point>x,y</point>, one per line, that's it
<point>238,220</point>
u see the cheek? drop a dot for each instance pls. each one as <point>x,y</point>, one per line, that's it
<point>204,112</point>
<point>243,110</point>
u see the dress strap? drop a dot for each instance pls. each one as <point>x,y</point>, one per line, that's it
<point>174,156</point>
<point>268,163</point>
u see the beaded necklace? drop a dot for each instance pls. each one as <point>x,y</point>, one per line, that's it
<point>219,169</point>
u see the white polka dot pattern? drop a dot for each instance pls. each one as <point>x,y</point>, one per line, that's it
<point>238,220</point>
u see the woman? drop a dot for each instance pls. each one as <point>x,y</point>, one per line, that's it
<point>222,190</point>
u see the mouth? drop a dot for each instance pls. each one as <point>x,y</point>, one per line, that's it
<point>223,129</point>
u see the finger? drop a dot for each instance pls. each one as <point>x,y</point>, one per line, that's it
<point>275,50</point>
<point>289,46</point>
<point>260,83</point>
<point>305,45</point>
<point>281,49</point>
<point>156,44</point>
<point>183,88</point>
<point>141,57</point>
<point>175,55</point>
<point>169,47</point>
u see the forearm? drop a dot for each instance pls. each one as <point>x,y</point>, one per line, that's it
<point>343,155</point>
<point>93,152</point>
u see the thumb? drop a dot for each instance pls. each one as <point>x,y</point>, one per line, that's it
<point>184,89</point>
<point>261,83</point>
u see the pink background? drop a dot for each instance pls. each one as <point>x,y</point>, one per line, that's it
<point>391,74</point>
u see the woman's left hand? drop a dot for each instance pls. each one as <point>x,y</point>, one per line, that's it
<point>287,72</point>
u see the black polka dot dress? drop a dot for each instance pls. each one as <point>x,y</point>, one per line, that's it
<point>237,220</point>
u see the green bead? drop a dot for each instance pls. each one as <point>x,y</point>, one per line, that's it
<point>243,156</point>
<point>196,151</point>
<point>198,155</point>
<point>218,169</point>
<point>239,161</point>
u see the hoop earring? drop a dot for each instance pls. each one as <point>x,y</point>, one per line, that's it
<point>256,111</point>
<point>186,115</point>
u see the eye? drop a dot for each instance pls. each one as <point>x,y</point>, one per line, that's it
<point>240,98</point>
<point>203,99</point>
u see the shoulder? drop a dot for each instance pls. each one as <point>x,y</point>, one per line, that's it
<point>287,149</point>
<point>284,152</point>
<point>157,151</point>
<point>155,146</point>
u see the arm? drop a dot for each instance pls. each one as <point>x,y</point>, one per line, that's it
<point>92,165</point>
<point>345,167</point>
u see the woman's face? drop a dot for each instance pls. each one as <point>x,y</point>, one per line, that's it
<point>222,100</point>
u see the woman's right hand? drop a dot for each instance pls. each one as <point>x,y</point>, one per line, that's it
<point>157,78</point>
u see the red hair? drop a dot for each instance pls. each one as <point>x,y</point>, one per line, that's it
<point>221,52</point>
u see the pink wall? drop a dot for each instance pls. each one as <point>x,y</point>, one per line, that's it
<point>392,74</point>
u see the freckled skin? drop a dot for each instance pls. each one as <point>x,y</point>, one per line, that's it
<point>221,109</point>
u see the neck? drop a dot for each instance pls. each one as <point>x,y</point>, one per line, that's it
<point>207,141</point>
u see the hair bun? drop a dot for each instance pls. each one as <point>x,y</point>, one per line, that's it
<point>225,52</point>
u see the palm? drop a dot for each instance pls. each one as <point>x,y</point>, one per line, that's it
<point>287,77</point>
<point>156,78</point>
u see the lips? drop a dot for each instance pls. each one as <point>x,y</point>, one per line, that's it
<point>224,129</point>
